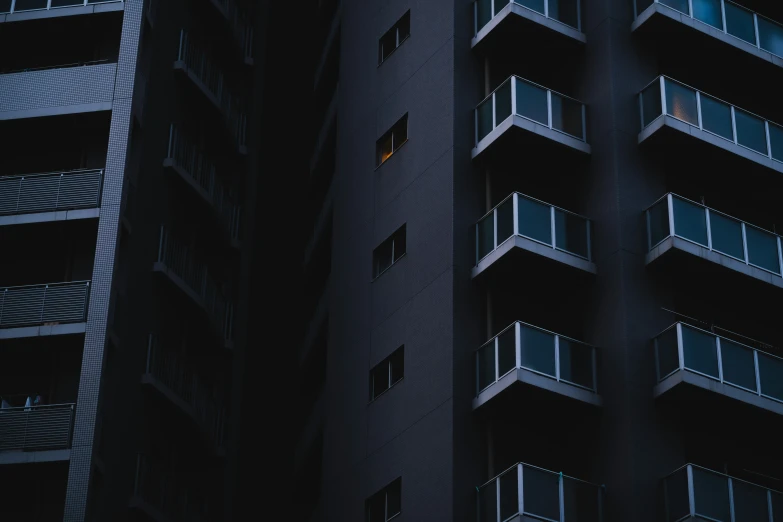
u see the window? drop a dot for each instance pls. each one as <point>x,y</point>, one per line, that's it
<point>389,252</point>
<point>386,504</point>
<point>392,140</point>
<point>387,373</point>
<point>390,41</point>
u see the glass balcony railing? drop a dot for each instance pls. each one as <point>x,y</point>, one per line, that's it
<point>708,495</point>
<point>541,494</point>
<point>528,100</point>
<point>665,96</point>
<point>44,304</point>
<point>36,428</point>
<point>674,215</point>
<point>728,17</point>
<point>682,347</point>
<point>566,12</point>
<point>521,215</point>
<point>537,350</point>
<point>17,6</point>
<point>66,190</point>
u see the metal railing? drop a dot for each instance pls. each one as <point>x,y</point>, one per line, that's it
<point>528,347</point>
<point>197,61</point>
<point>728,17</point>
<point>65,190</point>
<point>673,215</point>
<point>683,347</point>
<point>42,304</point>
<point>539,493</point>
<point>36,428</point>
<point>180,378</point>
<point>520,97</point>
<point>566,12</point>
<point>694,491</point>
<point>521,215</point>
<point>167,492</point>
<point>16,6</point>
<point>665,96</point>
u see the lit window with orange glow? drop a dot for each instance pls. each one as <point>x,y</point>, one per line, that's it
<point>392,140</point>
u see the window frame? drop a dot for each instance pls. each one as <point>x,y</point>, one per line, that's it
<point>394,238</point>
<point>384,492</point>
<point>393,130</point>
<point>399,352</point>
<point>398,41</point>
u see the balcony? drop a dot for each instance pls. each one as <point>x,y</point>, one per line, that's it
<point>539,359</point>
<point>533,493</point>
<point>35,433</point>
<point>677,226</point>
<point>241,30</point>
<point>18,10</point>
<point>53,309</point>
<point>520,116</point>
<point>696,493</point>
<point>51,91</point>
<point>503,23</point>
<point>672,111</point>
<point>523,226</point>
<point>717,25</point>
<point>197,170</point>
<point>194,61</point>
<point>53,196</point>
<point>183,267</point>
<point>686,355</point>
<point>175,380</point>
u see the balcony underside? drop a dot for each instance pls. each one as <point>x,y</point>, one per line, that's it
<point>166,392</point>
<point>663,24</point>
<point>43,330</point>
<point>672,138</point>
<point>45,217</point>
<point>169,164</point>
<point>521,386</point>
<point>178,282</point>
<point>62,11</point>
<point>514,26</point>
<point>33,457</point>
<point>520,253</point>
<point>517,138</point>
<point>148,509</point>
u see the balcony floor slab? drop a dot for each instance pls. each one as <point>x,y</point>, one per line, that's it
<point>43,330</point>
<point>62,11</point>
<point>45,217</point>
<point>515,20</point>
<point>31,457</point>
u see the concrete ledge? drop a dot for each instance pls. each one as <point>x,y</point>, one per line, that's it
<point>63,11</point>
<point>512,9</point>
<point>169,163</point>
<point>540,381</point>
<point>169,394</point>
<point>41,331</point>
<point>536,248</point>
<point>685,377</point>
<point>56,111</point>
<point>57,215</point>
<point>529,126</point>
<point>32,457</point>
<point>678,243</point>
<point>661,14</point>
<point>712,139</point>
<point>178,282</point>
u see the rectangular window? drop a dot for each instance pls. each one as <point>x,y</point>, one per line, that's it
<point>386,504</point>
<point>392,140</point>
<point>389,252</point>
<point>390,41</point>
<point>387,373</point>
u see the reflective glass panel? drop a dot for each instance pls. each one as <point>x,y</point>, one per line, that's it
<point>776,141</point>
<point>739,23</point>
<point>711,495</point>
<point>750,502</point>
<point>771,376</point>
<point>716,117</point>
<point>681,102</point>
<point>538,350</point>
<point>750,131</point>
<point>506,220</point>
<point>580,501</point>
<point>762,249</point>
<point>700,351</point>
<point>680,5</point>
<point>541,492</point>
<point>668,354</point>
<point>25,5</point>
<point>677,503</point>
<point>641,5</point>
<point>484,118</point>
<point>63,3</point>
<point>570,233</point>
<point>651,103</point>
<point>708,11</point>
<point>483,13</point>
<point>738,366</point>
<point>535,220</point>
<point>770,36</point>
<point>500,4</point>
<point>690,221</point>
<point>535,5</point>
<point>503,102</point>
<point>726,235</point>
<point>566,11</point>
<point>486,235</point>
<point>658,217</point>
<point>5,6</point>
<point>531,102</point>
<point>488,503</point>
<point>509,494</point>
<point>507,351</point>
<point>777,504</point>
<point>576,363</point>
<point>486,365</point>
<point>567,116</point>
